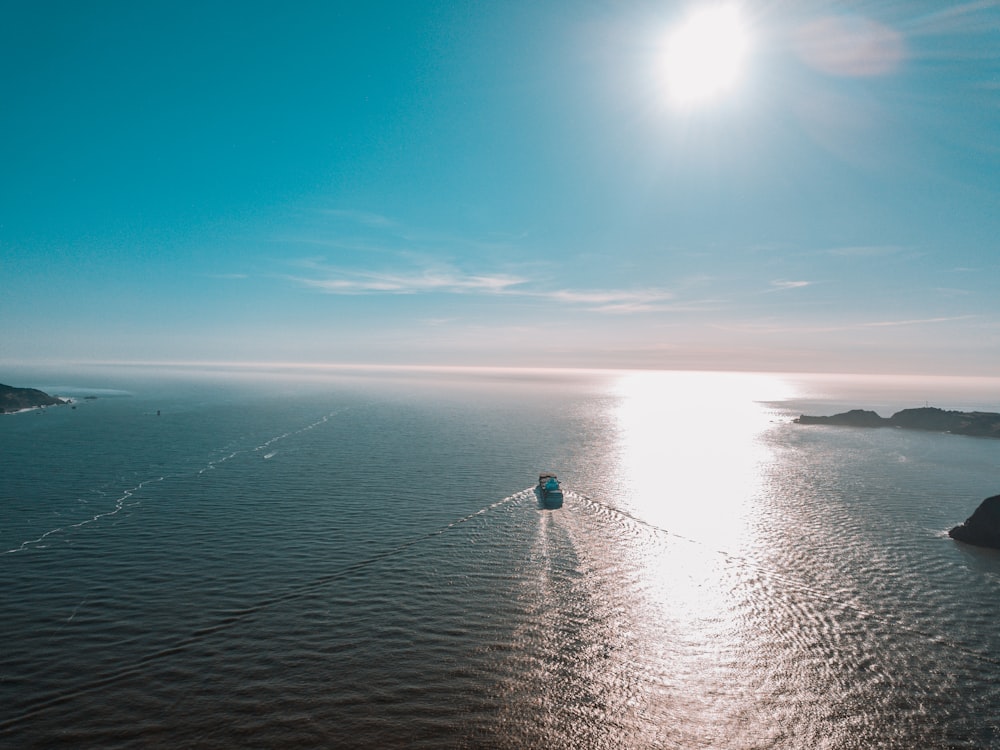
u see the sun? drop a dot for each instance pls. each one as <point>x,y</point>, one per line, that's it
<point>705,55</point>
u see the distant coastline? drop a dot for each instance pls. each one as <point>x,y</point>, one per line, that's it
<point>13,400</point>
<point>928,418</point>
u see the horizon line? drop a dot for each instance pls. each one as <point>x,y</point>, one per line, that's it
<point>249,365</point>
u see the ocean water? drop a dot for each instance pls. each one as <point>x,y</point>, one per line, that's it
<point>347,558</point>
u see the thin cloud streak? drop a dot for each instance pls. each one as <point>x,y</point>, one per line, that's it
<point>779,285</point>
<point>450,281</point>
<point>783,329</point>
<point>963,18</point>
<point>865,251</point>
<point>397,236</point>
<point>604,297</point>
<point>373,283</point>
<point>918,321</point>
<point>367,218</point>
<point>625,301</point>
<point>420,250</point>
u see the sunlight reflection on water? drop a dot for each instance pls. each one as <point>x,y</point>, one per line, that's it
<point>697,434</point>
<point>692,463</point>
<point>754,610</point>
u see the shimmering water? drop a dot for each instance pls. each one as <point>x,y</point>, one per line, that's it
<point>348,559</point>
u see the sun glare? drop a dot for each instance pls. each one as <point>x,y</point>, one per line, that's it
<point>705,55</point>
<point>684,426</point>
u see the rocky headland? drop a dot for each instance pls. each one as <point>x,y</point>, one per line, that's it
<point>974,423</point>
<point>18,399</point>
<point>982,528</point>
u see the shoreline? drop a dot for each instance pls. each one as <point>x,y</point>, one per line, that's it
<point>69,401</point>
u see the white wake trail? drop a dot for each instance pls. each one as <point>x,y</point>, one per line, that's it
<point>122,501</point>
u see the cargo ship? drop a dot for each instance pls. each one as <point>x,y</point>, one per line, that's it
<point>550,494</point>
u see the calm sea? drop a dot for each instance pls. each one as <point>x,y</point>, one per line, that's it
<point>346,558</point>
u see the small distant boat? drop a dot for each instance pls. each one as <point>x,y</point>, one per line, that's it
<point>549,492</point>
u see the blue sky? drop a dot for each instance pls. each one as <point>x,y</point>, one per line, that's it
<point>499,183</point>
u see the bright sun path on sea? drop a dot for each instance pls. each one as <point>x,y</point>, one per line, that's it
<point>691,449</point>
<point>704,56</point>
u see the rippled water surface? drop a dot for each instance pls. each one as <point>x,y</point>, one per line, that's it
<point>358,560</point>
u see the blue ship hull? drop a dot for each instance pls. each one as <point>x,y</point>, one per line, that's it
<point>550,494</point>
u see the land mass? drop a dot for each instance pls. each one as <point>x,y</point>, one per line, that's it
<point>17,399</point>
<point>982,528</point>
<point>974,423</point>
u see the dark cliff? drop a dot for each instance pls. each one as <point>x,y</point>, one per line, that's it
<point>16,399</point>
<point>975,423</point>
<point>982,528</point>
<point>853,418</point>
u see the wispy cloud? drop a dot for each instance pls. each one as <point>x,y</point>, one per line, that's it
<point>774,327</point>
<point>417,262</point>
<point>369,230</point>
<point>228,276</point>
<point>613,301</point>
<point>781,284</point>
<point>438,321</point>
<point>367,218</point>
<point>865,250</point>
<point>359,282</point>
<point>952,291</point>
<point>962,18</point>
<point>914,321</point>
<point>447,280</point>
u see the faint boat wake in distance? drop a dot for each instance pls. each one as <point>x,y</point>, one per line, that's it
<point>128,494</point>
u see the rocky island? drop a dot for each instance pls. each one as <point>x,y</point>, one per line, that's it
<point>974,423</point>
<point>982,528</point>
<point>17,399</point>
